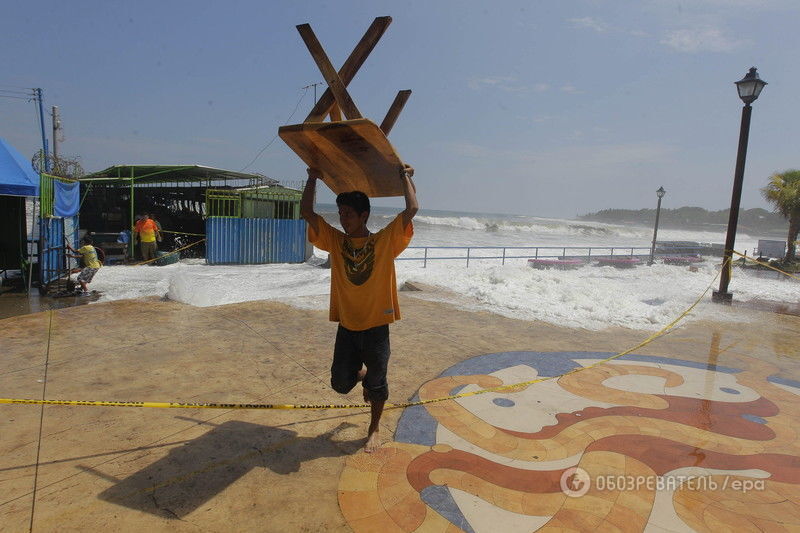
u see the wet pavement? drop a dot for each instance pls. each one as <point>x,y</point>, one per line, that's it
<point>696,431</point>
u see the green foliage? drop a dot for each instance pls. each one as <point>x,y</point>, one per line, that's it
<point>783,192</point>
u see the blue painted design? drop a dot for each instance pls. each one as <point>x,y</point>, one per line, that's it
<point>784,381</point>
<point>440,500</point>
<point>729,390</point>
<point>416,426</point>
<point>503,402</point>
<point>754,418</point>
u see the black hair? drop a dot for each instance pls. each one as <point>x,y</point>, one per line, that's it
<point>355,199</point>
<point>87,240</point>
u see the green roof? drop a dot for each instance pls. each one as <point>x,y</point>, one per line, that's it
<point>171,173</point>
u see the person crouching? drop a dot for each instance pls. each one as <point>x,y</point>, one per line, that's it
<point>91,264</point>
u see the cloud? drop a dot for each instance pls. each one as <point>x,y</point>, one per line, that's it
<point>507,84</point>
<point>707,39</point>
<point>570,89</point>
<point>491,81</point>
<point>590,23</point>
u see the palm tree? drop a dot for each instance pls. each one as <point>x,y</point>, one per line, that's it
<point>783,192</point>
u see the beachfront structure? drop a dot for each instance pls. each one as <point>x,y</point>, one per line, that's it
<point>18,181</point>
<point>255,225</point>
<point>190,202</point>
<point>53,203</point>
<point>59,202</point>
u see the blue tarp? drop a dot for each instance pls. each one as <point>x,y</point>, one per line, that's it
<point>67,198</point>
<point>17,177</point>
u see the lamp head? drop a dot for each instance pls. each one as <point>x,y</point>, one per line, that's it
<point>750,86</point>
<point>661,192</point>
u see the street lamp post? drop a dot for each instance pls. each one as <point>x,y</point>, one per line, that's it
<point>749,88</point>
<point>660,193</point>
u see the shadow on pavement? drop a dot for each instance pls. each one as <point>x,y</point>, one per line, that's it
<point>192,474</point>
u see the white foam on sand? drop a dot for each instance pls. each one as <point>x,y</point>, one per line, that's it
<point>591,297</point>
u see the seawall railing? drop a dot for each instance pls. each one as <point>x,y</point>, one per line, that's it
<point>503,253</point>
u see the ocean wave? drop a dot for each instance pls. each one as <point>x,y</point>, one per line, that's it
<point>539,227</point>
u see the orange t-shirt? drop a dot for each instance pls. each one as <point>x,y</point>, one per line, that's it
<point>147,230</point>
<point>363,284</point>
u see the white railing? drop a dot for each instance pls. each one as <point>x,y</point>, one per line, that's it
<point>468,253</point>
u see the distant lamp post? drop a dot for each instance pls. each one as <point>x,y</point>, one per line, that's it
<point>749,88</point>
<point>660,193</point>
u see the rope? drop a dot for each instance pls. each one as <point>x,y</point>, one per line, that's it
<point>761,263</point>
<point>180,405</point>
<point>183,233</point>
<point>41,419</point>
<point>169,254</point>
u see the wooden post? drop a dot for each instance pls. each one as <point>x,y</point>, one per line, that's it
<point>394,111</point>
<point>336,114</point>
<point>351,66</point>
<point>335,84</point>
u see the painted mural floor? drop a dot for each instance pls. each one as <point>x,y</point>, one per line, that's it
<point>695,431</point>
<point>642,443</point>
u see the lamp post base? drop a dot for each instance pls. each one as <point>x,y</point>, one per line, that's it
<point>725,298</point>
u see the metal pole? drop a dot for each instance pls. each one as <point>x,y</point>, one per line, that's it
<point>132,247</point>
<point>722,295</point>
<point>655,233</point>
<point>41,124</point>
<point>30,250</point>
<point>56,127</point>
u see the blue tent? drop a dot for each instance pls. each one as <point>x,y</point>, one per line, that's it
<point>17,177</point>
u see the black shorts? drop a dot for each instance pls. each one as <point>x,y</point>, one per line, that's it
<point>354,348</point>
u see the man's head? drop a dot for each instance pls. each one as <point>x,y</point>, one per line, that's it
<point>353,211</point>
<point>152,216</point>
<point>145,216</point>
<point>86,240</point>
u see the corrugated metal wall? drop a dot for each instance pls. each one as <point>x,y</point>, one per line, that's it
<point>250,241</point>
<point>52,259</point>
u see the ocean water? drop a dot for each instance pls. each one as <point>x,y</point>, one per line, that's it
<point>645,298</point>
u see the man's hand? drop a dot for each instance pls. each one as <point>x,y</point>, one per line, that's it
<point>307,201</point>
<point>410,193</point>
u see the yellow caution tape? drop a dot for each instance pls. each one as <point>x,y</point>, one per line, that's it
<point>761,263</point>
<point>181,405</point>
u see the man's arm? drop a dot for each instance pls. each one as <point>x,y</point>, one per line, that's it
<point>410,192</point>
<point>307,201</point>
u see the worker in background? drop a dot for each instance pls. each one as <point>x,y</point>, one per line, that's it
<point>147,233</point>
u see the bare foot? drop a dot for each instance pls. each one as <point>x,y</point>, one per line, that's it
<point>373,442</point>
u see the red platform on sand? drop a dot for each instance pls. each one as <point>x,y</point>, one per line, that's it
<point>619,262</point>
<point>682,259</point>
<point>555,263</point>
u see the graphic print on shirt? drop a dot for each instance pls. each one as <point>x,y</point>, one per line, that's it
<point>358,262</point>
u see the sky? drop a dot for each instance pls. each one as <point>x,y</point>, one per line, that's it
<point>544,108</point>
